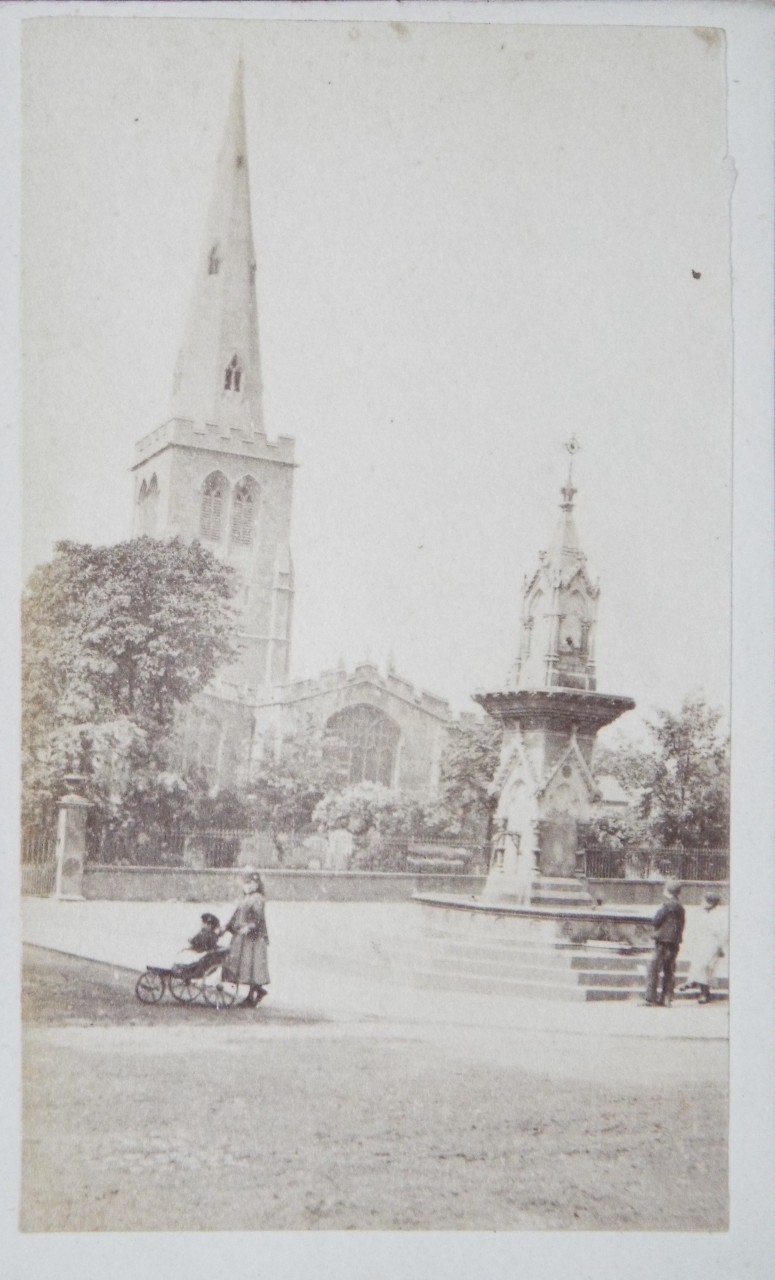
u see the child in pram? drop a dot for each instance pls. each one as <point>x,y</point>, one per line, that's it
<point>205,943</point>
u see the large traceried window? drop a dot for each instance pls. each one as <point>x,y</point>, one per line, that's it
<point>368,741</point>
<point>243,512</point>
<point>214,493</point>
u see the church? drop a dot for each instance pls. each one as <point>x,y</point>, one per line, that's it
<point>213,472</point>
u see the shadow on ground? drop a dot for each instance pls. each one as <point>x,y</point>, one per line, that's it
<point>63,990</point>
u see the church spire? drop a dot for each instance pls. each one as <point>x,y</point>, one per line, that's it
<point>218,375</point>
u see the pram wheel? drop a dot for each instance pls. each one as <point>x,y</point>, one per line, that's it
<point>219,992</point>
<point>149,987</point>
<point>184,990</point>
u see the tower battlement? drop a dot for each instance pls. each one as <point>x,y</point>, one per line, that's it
<point>212,435</point>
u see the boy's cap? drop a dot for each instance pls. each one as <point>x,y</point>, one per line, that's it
<point>673,887</point>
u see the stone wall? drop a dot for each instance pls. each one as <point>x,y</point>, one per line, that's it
<point>153,884</point>
<point>649,892</point>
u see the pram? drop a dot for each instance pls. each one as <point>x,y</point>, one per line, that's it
<point>206,977</point>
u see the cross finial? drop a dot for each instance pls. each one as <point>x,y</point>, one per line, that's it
<point>571,447</point>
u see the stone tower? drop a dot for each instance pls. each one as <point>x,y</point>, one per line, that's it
<point>210,472</point>
<point>551,714</point>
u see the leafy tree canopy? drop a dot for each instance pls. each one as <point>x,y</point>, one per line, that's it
<point>687,799</point>
<point>468,768</point>
<point>291,778</point>
<point>679,781</point>
<point>114,640</point>
<point>369,806</point>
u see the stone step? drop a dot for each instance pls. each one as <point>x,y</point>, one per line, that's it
<point>448,942</point>
<point>520,987</point>
<point>498,979</point>
<point>613,993</point>
<point>556,953</point>
<point>447,946</point>
<point>492,938</point>
<point>627,963</point>
<point>473,961</point>
<point>597,978</point>
<point>428,980</point>
<point>496,973</point>
<point>492,971</point>
<point>537,981</point>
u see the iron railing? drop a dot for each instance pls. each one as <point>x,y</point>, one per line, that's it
<point>221,847</point>
<point>38,862</point>
<point>121,846</point>
<point>653,863</point>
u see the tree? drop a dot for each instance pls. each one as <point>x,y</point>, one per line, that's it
<point>679,781</point>
<point>115,640</point>
<point>368,806</point>
<point>630,763</point>
<point>468,766</point>
<point>687,799</point>
<point>615,831</point>
<point>292,777</point>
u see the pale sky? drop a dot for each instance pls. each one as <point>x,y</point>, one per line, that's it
<point>471,243</point>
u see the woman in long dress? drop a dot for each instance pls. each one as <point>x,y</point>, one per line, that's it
<point>247,958</point>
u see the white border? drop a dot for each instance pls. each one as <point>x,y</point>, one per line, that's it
<point>749,1247</point>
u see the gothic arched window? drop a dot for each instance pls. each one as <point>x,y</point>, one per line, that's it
<point>243,512</point>
<point>537,630</point>
<point>233,375</point>
<point>214,492</point>
<point>368,742</point>
<point>213,262</point>
<point>572,630</point>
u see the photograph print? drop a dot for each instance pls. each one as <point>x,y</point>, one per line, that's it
<point>377,439</point>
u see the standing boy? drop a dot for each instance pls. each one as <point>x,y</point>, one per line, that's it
<point>668,932</point>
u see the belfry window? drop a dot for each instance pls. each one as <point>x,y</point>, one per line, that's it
<point>214,261</point>
<point>243,513</point>
<point>148,501</point>
<point>232,378</point>
<point>213,502</point>
<point>151,506</point>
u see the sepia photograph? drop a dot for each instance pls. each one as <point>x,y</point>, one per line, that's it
<point>378,419</point>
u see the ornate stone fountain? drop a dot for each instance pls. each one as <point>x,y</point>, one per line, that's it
<point>551,713</point>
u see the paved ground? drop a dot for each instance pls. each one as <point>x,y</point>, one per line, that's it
<point>171,1118</point>
<point>337,960</point>
<point>345,1102</point>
